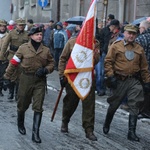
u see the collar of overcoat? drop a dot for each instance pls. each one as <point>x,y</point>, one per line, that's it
<point>39,50</point>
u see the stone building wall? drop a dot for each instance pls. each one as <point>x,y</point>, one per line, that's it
<point>124,10</point>
<point>5,10</point>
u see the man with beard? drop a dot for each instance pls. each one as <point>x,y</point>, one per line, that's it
<point>14,39</point>
<point>36,62</point>
<point>124,62</point>
<point>3,60</point>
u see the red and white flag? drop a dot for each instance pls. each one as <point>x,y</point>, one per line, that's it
<point>80,66</point>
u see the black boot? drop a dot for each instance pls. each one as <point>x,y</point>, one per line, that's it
<point>107,123</point>
<point>20,120</point>
<point>1,88</point>
<point>36,125</point>
<point>64,127</point>
<point>132,128</point>
<point>11,90</point>
<point>90,135</point>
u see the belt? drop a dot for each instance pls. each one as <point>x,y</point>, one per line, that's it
<point>29,73</point>
<point>122,77</point>
<point>14,48</point>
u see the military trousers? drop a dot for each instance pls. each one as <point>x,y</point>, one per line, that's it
<point>130,87</point>
<point>31,90</point>
<point>70,103</point>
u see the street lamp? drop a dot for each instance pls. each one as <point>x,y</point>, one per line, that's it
<point>105,2</point>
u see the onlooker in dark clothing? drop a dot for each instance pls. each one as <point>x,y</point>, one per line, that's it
<point>144,40</point>
<point>110,18</point>
<point>60,39</point>
<point>29,24</point>
<point>47,41</point>
<point>104,37</point>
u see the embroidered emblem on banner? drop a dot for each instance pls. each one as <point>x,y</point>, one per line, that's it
<point>84,83</point>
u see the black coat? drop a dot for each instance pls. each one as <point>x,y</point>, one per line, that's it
<point>104,37</point>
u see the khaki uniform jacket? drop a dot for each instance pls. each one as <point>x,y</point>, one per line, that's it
<point>1,43</point>
<point>31,60</point>
<point>66,55</point>
<point>16,39</point>
<point>116,62</point>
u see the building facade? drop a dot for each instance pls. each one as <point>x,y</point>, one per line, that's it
<point>61,10</point>
<point>5,10</point>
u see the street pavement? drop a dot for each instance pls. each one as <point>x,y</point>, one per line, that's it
<point>54,84</point>
<point>53,139</point>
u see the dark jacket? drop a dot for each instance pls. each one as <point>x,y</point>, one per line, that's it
<point>144,40</point>
<point>47,37</point>
<point>104,37</point>
<point>60,38</point>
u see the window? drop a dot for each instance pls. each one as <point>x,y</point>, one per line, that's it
<point>49,2</point>
<point>21,4</point>
<point>81,7</point>
<point>33,3</point>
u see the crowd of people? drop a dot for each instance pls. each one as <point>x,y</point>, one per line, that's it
<point>29,52</point>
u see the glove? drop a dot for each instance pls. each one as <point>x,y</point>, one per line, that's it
<point>41,72</point>
<point>63,81</point>
<point>6,84</point>
<point>111,82</point>
<point>147,87</point>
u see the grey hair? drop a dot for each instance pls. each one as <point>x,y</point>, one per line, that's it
<point>145,24</point>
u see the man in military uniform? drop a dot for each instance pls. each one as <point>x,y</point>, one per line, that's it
<point>124,63</point>
<point>35,61</point>
<point>71,100</point>
<point>13,40</point>
<point>3,60</point>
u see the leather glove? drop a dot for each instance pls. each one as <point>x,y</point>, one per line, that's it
<point>147,87</point>
<point>41,72</point>
<point>63,81</point>
<point>111,82</point>
<point>6,84</point>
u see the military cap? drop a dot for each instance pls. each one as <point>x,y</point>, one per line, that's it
<point>20,21</point>
<point>131,28</point>
<point>3,22</point>
<point>34,30</point>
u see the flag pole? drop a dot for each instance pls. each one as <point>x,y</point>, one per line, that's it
<point>56,104</point>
